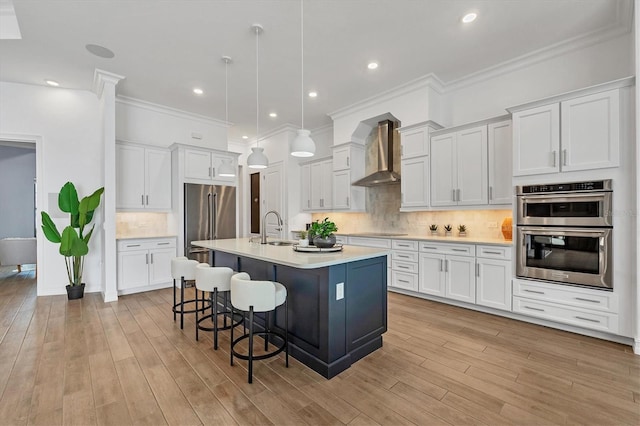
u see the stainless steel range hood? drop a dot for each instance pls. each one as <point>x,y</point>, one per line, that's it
<point>385,174</point>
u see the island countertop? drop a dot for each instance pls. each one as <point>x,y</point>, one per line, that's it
<point>285,255</point>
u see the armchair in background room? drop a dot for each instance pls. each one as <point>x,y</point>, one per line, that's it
<point>18,251</point>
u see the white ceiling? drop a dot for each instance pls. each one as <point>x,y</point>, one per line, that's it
<point>166,48</point>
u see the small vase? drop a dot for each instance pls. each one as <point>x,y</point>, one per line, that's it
<point>462,234</point>
<point>447,233</point>
<point>328,242</point>
<point>434,233</point>
<point>303,242</point>
<point>75,291</point>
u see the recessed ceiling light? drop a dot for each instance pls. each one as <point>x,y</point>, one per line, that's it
<point>273,115</point>
<point>313,94</point>
<point>100,51</point>
<point>52,83</point>
<point>372,65</point>
<point>198,91</point>
<point>245,137</point>
<point>469,17</point>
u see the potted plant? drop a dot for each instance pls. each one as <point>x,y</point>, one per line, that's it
<point>323,233</point>
<point>447,229</point>
<point>74,242</point>
<point>302,239</point>
<point>462,230</point>
<point>434,229</point>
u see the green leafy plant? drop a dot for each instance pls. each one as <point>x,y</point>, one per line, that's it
<point>448,228</point>
<point>323,229</point>
<point>433,227</point>
<point>462,228</point>
<point>74,242</point>
<point>303,235</point>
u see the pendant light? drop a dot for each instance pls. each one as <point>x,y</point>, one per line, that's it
<point>226,168</point>
<point>257,159</point>
<point>302,145</point>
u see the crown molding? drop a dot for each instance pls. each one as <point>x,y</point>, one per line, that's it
<point>163,109</point>
<point>101,77</point>
<point>430,81</point>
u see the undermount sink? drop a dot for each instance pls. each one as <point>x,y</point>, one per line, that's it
<point>280,243</point>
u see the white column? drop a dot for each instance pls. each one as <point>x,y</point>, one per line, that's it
<point>104,86</point>
<point>636,340</point>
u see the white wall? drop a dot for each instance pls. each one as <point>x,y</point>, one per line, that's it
<point>17,172</point>
<point>68,122</point>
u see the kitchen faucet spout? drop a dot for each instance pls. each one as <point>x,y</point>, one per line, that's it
<point>263,229</point>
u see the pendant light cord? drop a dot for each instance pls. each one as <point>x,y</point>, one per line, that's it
<point>257,91</point>
<point>302,60</point>
<point>226,90</point>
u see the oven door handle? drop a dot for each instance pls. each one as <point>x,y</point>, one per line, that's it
<point>568,197</point>
<point>572,232</point>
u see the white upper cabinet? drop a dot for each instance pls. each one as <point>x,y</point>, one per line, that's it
<point>414,139</point>
<point>348,166</point>
<point>143,178</point>
<point>320,185</point>
<point>500,170</point>
<point>414,183</point>
<point>571,132</point>
<point>459,168</point>
<point>204,166</point>
<point>305,186</point>
<point>590,132</point>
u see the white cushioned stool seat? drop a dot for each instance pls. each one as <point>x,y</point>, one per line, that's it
<point>183,270</point>
<point>259,296</point>
<point>215,280</point>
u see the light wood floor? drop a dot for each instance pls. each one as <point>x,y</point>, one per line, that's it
<point>86,362</point>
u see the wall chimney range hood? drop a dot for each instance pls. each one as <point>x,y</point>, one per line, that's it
<point>385,174</point>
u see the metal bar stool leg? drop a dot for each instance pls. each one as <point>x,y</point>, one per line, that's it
<point>182,303</point>
<point>231,345</point>
<point>197,313</point>
<point>267,318</point>
<point>174,300</point>
<point>250,344</point>
<point>226,309</point>
<point>286,333</point>
<point>215,318</point>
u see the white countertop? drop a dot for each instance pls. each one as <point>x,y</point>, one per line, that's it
<point>438,238</point>
<point>285,255</point>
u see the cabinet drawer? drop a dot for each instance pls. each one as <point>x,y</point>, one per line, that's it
<point>398,265</point>
<point>567,295</point>
<point>405,256</point>
<point>448,248</point>
<point>594,320</point>
<point>404,280</point>
<point>494,252</point>
<point>146,244</point>
<point>404,245</point>
<point>370,242</point>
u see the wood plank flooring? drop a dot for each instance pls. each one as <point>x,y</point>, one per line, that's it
<point>85,362</point>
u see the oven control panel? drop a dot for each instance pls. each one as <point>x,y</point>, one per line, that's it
<point>596,185</point>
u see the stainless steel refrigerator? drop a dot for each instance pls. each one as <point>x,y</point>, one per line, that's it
<point>209,214</point>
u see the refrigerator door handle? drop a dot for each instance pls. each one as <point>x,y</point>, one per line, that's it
<point>214,224</point>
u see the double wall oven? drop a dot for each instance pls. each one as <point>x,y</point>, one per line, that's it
<point>564,233</point>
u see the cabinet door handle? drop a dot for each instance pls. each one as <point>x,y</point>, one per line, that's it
<point>147,199</point>
<point>457,249</point>
<point>533,291</point>
<point>347,201</point>
<point>146,258</point>
<point>163,244</point>
<point>564,161</point>
<point>554,153</point>
<point>402,267</point>
<point>133,245</point>
<point>403,256</point>
<point>533,309</point>
<point>213,172</point>
<point>441,265</point>
<point>142,199</point>
<point>403,281</point>
<point>308,203</point>
<point>587,300</point>
<point>477,269</point>
<point>429,248</point>
<point>587,319</point>
<point>446,265</point>
<point>458,194</point>
<point>403,245</point>
<point>151,257</point>
<point>453,195</point>
<point>347,161</point>
<point>490,192</point>
<point>491,252</point>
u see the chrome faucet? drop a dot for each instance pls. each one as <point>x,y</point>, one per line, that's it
<point>263,229</point>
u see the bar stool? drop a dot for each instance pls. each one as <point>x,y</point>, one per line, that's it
<point>259,296</point>
<point>183,270</point>
<point>215,280</point>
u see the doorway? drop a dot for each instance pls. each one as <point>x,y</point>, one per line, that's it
<point>255,202</point>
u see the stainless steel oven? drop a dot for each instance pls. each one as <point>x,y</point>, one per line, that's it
<point>578,256</point>
<point>564,233</point>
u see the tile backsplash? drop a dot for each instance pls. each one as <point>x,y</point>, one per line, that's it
<point>143,224</point>
<point>383,215</point>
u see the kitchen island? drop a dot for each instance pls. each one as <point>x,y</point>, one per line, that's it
<point>337,301</point>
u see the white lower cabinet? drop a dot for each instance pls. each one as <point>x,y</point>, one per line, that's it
<point>404,264</point>
<point>582,307</point>
<point>493,277</point>
<point>448,270</point>
<point>145,264</point>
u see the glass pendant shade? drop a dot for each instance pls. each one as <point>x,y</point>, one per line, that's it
<point>257,159</point>
<point>226,169</point>
<point>303,145</point>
